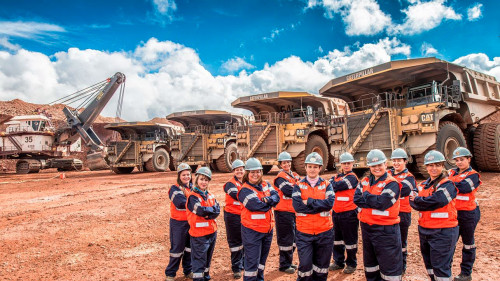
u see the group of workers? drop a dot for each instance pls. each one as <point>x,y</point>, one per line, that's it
<point>319,217</point>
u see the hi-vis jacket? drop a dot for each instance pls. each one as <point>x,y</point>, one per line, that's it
<point>231,189</point>
<point>257,214</point>
<point>378,200</point>
<point>467,184</point>
<point>202,209</point>
<point>316,216</point>
<point>436,203</point>
<point>284,183</point>
<point>409,184</point>
<point>178,202</point>
<point>344,186</point>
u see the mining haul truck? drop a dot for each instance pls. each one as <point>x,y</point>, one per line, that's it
<point>419,105</point>
<point>143,145</point>
<point>296,122</point>
<point>209,138</point>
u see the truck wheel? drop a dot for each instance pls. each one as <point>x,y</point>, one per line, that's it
<point>226,160</point>
<point>28,166</point>
<point>449,138</point>
<point>122,170</point>
<point>487,147</point>
<point>318,144</point>
<point>213,167</point>
<point>419,163</point>
<point>148,166</point>
<point>266,169</point>
<point>298,164</point>
<point>331,163</point>
<point>161,160</point>
<point>172,166</point>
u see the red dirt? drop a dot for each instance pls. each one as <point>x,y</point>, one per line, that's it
<point>102,226</point>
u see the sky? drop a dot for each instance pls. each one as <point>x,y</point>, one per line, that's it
<point>188,55</point>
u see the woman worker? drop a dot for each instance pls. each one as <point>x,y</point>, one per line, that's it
<point>284,212</point>
<point>345,216</point>
<point>258,198</point>
<point>313,200</point>
<point>467,181</point>
<point>437,225</point>
<point>202,209</point>
<point>378,198</point>
<point>232,217</point>
<point>401,174</point>
<point>180,248</point>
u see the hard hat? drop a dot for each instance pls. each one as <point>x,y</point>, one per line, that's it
<point>314,158</point>
<point>375,157</point>
<point>433,156</point>
<point>346,157</point>
<point>399,153</point>
<point>182,167</point>
<point>204,171</point>
<point>237,163</point>
<point>253,164</point>
<point>284,156</point>
<point>461,152</point>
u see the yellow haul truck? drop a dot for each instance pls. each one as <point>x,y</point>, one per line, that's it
<point>209,138</point>
<point>297,122</point>
<point>419,105</point>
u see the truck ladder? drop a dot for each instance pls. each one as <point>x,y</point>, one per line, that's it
<point>261,139</point>
<point>190,147</point>
<point>366,131</point>
<point>123,152</point>
<point>16,144</point>
<point>393,129</point>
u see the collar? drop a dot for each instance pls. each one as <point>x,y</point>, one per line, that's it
<point>236,179</point>
<point>320,180</point>
<point>258,186</point>
<point>393,171</point>
<point>429,182</point>
<point>204,194</point>
<point>373,181</point>
<point>457,170</point>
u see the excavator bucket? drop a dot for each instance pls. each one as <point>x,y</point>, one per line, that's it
<point>96,161</point>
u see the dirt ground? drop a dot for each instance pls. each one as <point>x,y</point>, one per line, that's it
<point>102,226</point>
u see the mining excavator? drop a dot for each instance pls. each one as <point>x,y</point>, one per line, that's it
<point>37,144</point>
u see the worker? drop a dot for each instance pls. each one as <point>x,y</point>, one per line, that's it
<point>180,249</point>
<point>437,223</point>
<point>467,181</point>
<point>232,217</point>
<point>202,209</point>
<point>313,199</point>
<point>401,174</point>
<point>258,198</point>
<point>284,213</point>
<point>345,216</point>
<point>378,198</point>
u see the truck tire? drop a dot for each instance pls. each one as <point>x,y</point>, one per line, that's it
<point>148,166</point>
<point>161,160</point>
<point>28,166</point>
<point>266,169</point>
<point>298,164</point>
<point>487,147</point>
<point>226,159</point>
<point>449,138</point>
<point>172,166</point>
<point>122,170</point>
<point>331,163</point>
<point>419,163</point>
<point>213,167</point>
<point>318,144</point>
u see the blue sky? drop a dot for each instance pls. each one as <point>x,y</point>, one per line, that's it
<point>225,49</point>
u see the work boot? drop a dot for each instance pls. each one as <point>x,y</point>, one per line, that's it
<point>289,270</point>
<point>334,266</point>
<point>462,277</point>
<point>294,266</point>
<point>237,275</point>
<point>349,269</point>
<point>188,276</point>
<point>169,278</point>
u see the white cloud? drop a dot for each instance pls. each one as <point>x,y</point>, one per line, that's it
<point>482,63</point>
<point>428,50</point>
<point>4,42</point>
<point>274,33</point>
<point>165,8</point>
<point>235,64</point>
<point>475,12</point>
<point>28,29</point>
<point>164,77</point>
<point>422,16</point>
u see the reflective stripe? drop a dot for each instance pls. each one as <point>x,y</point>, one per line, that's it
<point>446,193</point>
<point>324,214</point>
<point>403,249</point>
<point>442,278</point>
<point>469,181</point>
<point>236,249</point>
<point>350,247</point>
<point>176,255</point>
<point>296,193</point>
<point>430,271</point>
<point>390,278</point>
<point>232,189</point>
<point>439,215</point>
<point>286,249</point>
<point>207,269</point>
<point>302,186</point>
<point>468,247</point>
<point>198,275</point>
<point>408,183</point>
<point>305,274</point>
<point>283,184</point>
<point>175,193</point>
<point>202,224</point>
<point>196,207</point>
<point>380,213</point>
<point>300,215</point>
<point>320,270</point>
<point>236,203</point>
<point>341,242</point>
<point>462,198</point>
<point>250,196</point>
<point>389,191</point>
<point>328,193</point>
<point>393,201</point>
<point>262,267</point>
<point>287,198</point>
<point>349,185</point>
<point>258,216</point>
<point>182,210</point>
<point>250,273</point>
<point>342,199</point>
<point>187,250</point>
<point>371,268</point>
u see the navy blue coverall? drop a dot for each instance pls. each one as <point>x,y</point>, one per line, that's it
<point>233,231</point>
